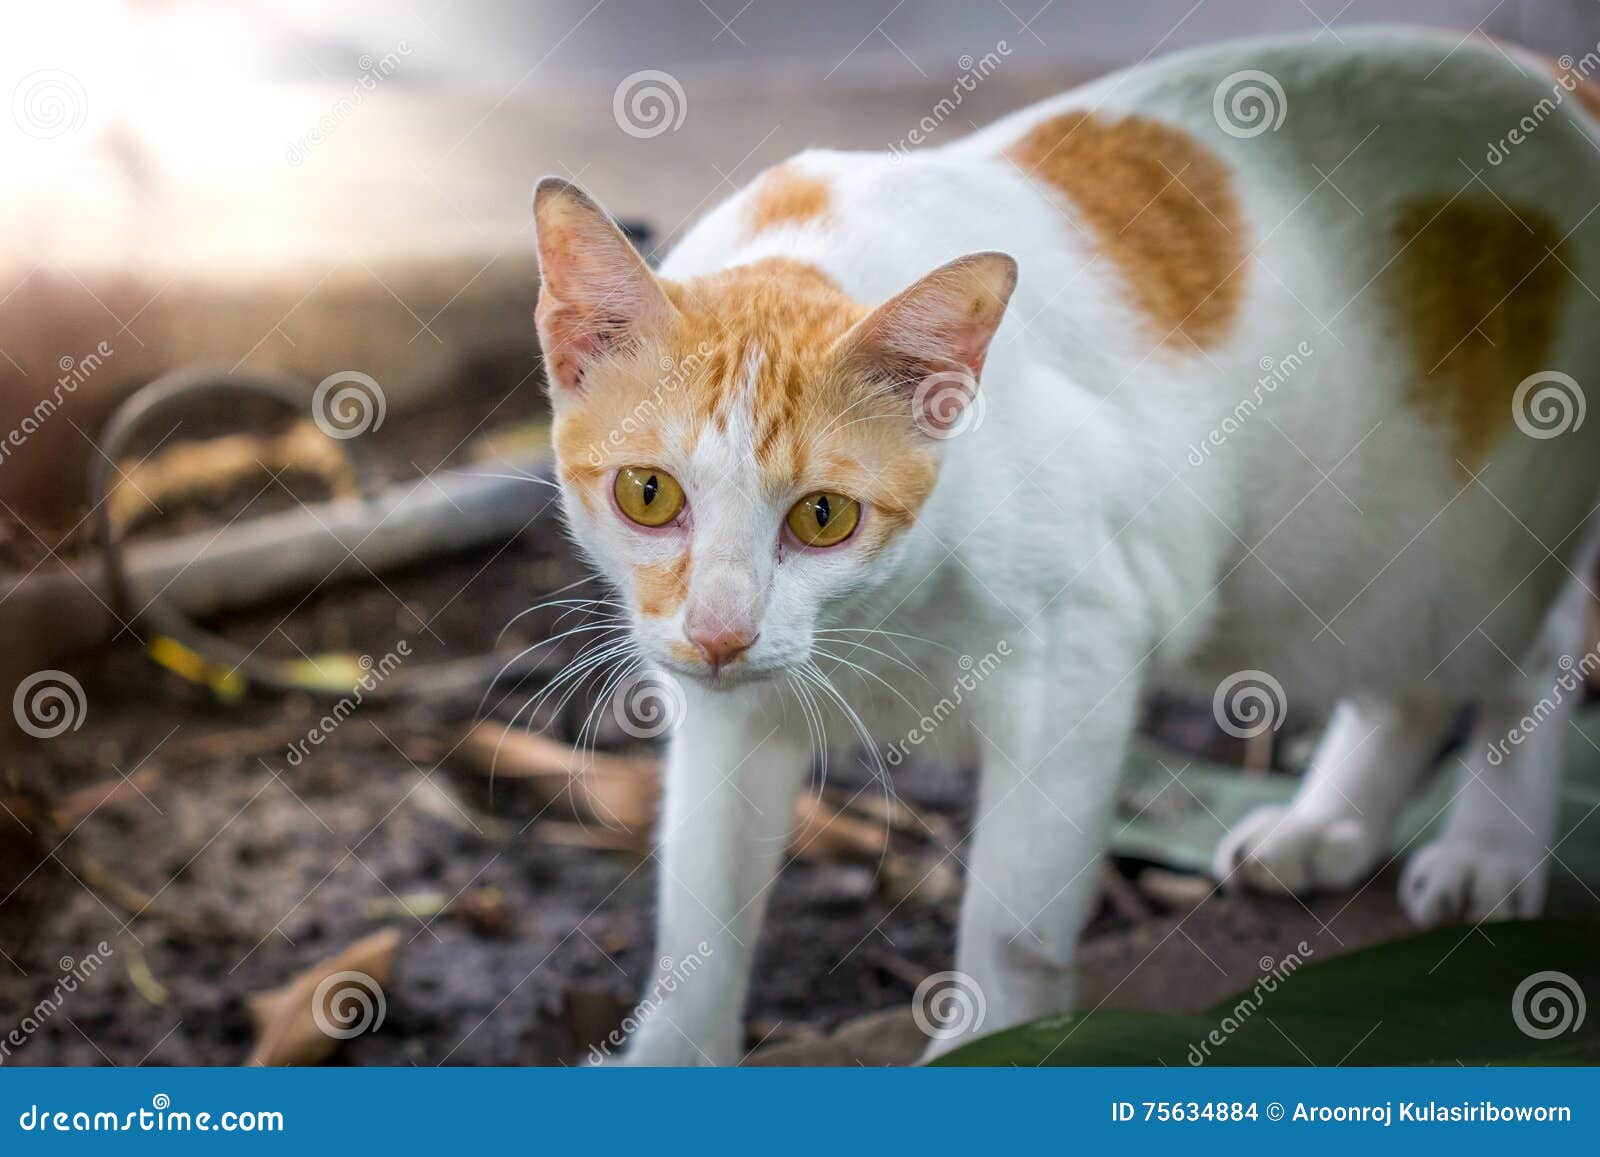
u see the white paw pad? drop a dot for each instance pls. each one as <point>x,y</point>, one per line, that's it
<point>1459,879</point>
<point>1276,849</point>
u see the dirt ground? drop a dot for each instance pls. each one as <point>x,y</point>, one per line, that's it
<point>227,867</point>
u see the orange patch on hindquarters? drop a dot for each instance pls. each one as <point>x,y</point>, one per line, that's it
<point>786,196</point>
<point>663,586</point>
<point>1480,294</point>
<point>1162,208</point>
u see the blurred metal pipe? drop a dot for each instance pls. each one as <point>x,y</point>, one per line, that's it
<point>56,612</point>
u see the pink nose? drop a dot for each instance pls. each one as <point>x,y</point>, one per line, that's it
<point>720,643</point>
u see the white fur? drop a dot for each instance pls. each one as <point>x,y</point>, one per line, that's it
<point>1330,540</point>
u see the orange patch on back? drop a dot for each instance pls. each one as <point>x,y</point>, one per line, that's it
<point>1479,295</point>
<point>1582,89</point>
<point>786,196</point>
<point>662,587</point>
<point>1162,208</point>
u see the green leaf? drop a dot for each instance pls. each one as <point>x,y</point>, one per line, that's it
<point>1444,997</point>
<point>1173,809</point>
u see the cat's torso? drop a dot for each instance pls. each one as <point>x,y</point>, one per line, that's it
<point>1238,399</point>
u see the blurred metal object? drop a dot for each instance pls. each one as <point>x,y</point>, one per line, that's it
<point>169,584</point>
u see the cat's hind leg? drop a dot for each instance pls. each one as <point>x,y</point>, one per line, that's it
<point>1336,828</point>
<point>1492,860</point>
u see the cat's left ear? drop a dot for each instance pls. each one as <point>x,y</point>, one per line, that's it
<point>930,340</point>
<point>596,295</point>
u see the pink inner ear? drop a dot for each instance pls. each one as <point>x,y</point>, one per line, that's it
<point>597,295</point>
<point>567,340</point>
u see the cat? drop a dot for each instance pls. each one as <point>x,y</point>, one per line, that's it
<point>1281,394</point>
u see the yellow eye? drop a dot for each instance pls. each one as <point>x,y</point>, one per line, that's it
<point>823,519</point>
<point>649,496</point>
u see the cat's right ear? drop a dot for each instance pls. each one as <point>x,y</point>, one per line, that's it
<point>596,295</point>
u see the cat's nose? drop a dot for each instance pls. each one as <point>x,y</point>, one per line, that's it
<point>720,643</point>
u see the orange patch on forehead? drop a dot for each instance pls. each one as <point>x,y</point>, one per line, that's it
<point>662,587</point>
<point>786,196</point>
<point>774,324</point>
<point>1162,209</point>
<point>1479,294</point>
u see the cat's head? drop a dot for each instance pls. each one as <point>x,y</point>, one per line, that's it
<point>739,451</point>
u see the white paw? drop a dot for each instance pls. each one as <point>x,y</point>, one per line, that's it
<point>1464,879</point>
<point>1277,849</point>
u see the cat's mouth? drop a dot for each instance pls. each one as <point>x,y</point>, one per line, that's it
<point>739,673</point>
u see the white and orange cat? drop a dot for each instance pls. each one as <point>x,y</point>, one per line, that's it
<point>1293,390</point>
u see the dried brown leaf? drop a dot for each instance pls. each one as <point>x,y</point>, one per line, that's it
<point>305,1020</point>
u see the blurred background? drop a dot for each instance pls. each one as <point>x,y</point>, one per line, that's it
<point>294,194</point>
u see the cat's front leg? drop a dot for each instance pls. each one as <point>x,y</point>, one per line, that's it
<point>1051,752</point>
<point>732,777</point>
